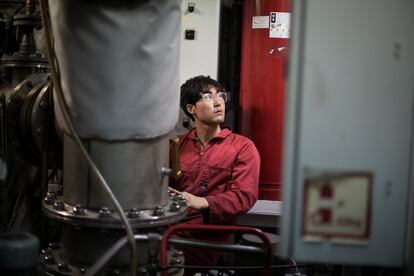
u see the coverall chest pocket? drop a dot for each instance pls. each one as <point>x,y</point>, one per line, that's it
<point>214,180</point>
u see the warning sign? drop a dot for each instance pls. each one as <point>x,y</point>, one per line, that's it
<point>279,25</point>
<point>337,207</point>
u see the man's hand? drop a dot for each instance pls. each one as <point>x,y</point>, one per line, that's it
<point>194,202</point>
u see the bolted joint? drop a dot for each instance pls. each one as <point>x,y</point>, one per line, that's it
<point>104,212</point>
<point>175,261</point>
<point>181,200</point>
<point>175,206</point>
<point>133,213</point>
<point>43,105</point>
<point>63,267</point>
<point>49,259</point>
<point>78,209</point>
<point>59,205</point>
<point>50,198</point>
<point>53,246</point>
<point>158,211</point>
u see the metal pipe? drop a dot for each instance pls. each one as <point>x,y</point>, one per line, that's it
<point>223,247</point>
<point>105,258</point>
<point>116,247</point>
<point>208,228</point>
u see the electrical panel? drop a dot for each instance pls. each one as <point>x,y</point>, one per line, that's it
<point>349,132</point>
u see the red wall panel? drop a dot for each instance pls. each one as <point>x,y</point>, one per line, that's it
<point>263,65</point>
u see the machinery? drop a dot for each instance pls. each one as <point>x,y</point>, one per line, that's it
<point>87,135</point>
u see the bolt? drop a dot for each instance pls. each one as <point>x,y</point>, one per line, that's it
<point>178,196</point>
<point>175,206</point>
<point>49,259</point>
<point>166,171</point>
<point>133,213</point>
<point>53,245</point>
<point>104,212</point>
<point>115,272</point>
<point>78,209</point>
<point>181,199</point>
<point>58,205</point>
<point>63,267</point>
<point>158,211</point>
<point>43,105</point>
<point>50,198</point>
<point>82,270</point>
<point>175,261</point>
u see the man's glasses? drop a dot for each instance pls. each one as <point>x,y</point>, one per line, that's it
<point>209,98</point>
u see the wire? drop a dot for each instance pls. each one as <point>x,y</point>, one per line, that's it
<point>53,69</point>
<point>294,263</point>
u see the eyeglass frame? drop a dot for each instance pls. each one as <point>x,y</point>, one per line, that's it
<point>211,97</point>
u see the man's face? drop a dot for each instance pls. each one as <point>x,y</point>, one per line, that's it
<point>210,109</point>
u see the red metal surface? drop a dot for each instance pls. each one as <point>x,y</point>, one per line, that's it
<point>262,90</point>
<point>213,228</point>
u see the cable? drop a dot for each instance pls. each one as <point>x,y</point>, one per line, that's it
<point>294,263</point>
<point>53,62</point>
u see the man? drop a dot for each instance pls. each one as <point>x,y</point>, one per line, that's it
<point>220,169</point>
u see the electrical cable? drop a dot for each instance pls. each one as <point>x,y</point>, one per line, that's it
<point>294,263</point>
<point>53,62</point>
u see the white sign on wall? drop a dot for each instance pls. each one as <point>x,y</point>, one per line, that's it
<point>260,22</point>
<point>337,207</point>
<point>279,25</point>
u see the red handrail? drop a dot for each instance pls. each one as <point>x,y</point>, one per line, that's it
<point>206,228</point>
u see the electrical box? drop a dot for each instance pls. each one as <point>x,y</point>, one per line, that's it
<point>347,159</point>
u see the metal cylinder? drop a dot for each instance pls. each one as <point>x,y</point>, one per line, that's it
<point>118,63</point>
<point>132,170</point>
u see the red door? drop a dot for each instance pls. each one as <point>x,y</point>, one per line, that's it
<point>262,86</point>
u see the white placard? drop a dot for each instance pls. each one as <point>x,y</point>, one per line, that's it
<point>260,22</point>
<point>337,208</point>
<point>279,25</point>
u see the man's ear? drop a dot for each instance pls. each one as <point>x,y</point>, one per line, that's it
<point>190,108</point>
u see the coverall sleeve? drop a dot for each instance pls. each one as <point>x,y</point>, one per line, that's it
<point>242,190</point>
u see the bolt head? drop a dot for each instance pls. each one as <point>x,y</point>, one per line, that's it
<point>63,267</point>
<point>175,206</point>
<point>104,212</point>
<point>78,209</point>
<point>50,198</point>
<point>158,211</point>
<point>175,261</point>
<point>53,245</point>
<point>43,105</point>
<point>133,213</point>
<point>58,205</point>
<point>49,259</point>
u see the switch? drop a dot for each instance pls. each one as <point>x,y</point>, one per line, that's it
<point>189,34</point>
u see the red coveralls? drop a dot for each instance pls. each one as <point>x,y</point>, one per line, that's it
<point>226,173</point>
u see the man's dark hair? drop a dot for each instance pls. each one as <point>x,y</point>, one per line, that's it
<point>191,91</point>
